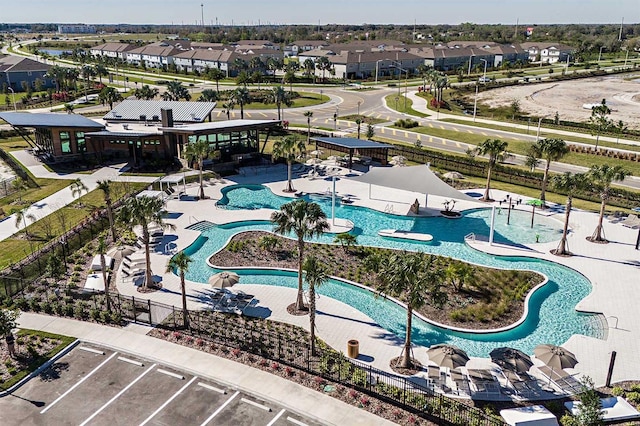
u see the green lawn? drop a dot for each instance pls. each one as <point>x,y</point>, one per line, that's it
<point>402,106</point>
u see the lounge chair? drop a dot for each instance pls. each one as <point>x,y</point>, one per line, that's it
<point>631,221</point>
<point>461,382</point>
<point>563,380</point>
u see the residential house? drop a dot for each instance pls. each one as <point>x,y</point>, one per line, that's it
<point>112,50</point>
<point>14,70</point>
<point>548,52</point>
<point>152,56</point>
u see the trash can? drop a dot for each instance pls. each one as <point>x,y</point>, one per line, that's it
<point>353,348</point>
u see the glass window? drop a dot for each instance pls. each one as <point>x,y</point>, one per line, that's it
<point>65,142</point>
<point>80,142</point>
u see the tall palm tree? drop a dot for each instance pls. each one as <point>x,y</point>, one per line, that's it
<point>21,218</point>
<point>308,114</point>
<point>101,71</point>
<point>102,249</point>
<point>176,91</point>
<point>409,277</point>
<point>309,68</point>
<point>323,64</point>
<point>87,72</point>
<point>198,151</point>
<point>568,183</point>
<point>549,150</point>
<point>358,123</point>
<point>143,211</point>
<point>109,95</point>
<point>315,275</point>
<point>209,95</point>
<point>240,96</point>
<point>278,96</point>
<point>602,177</point>
<point>288,148</point>
<point>216,74</point>
<point>495,150</point>
<point>77,188</point>
<point>105,187</point>
<point>304,220</point>
<point>180,262</point>
<point>146,92</point>
<point>243,79</point>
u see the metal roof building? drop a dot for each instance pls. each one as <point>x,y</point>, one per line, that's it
<point>41,120</point>
<point>376,150</point>
<point>145,111</point>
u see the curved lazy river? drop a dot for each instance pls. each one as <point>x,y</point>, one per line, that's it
<point>552,316</point>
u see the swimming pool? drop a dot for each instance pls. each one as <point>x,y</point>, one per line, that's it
<point>552,317</point>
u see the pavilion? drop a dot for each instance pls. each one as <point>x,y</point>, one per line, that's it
<point>351,146</point>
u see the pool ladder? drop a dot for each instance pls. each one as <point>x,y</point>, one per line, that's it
<point>388,208</point>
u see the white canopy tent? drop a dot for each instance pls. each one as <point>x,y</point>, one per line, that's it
<point>173,179</point>
<point>419,179</point>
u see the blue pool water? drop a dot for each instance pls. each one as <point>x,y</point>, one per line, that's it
<point>552,316</point>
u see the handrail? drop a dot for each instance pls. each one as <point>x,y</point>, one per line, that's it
<point>194,218</point>
<point>616,318</point>
<point>470,236</point>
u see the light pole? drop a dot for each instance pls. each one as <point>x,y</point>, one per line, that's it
<point>600,53</point>
<point>484,75</point>
<point>475,104</point>
<point>538,132</point>
<point>377,62</point>
<point>470,62</point>
<point>359,102</point>
<point>406,84</point>
<point>13,95</point>
<point>626,57</point>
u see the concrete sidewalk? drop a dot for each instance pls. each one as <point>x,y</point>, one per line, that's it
<point>133,339</point>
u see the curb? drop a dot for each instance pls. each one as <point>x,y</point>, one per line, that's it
<point>40,369</point>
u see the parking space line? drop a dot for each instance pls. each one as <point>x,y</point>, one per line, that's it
<point>206,386</point>
<point>296,422</point>
<point>174,396</point>
<point>169,373</point>
<point>126,388</point>
<point>255,404</point>
<point>275,419</point>
<point>130,361</point>
<point>222,407</point>
<point>77,384</point>
<point>86,349</point>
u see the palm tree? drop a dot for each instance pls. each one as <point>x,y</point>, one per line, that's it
<point>143,211</point>
<point>102,249</point>
<point>409,277</point>
<point>304,220</point>
<point>288,78</point>
<point>549,150</point>
<point>359,123</point>
<point>180,262</point>
<point>459,273</point>
<point>243,79</point>
<point>19,185</point>
<point>288,148</point>
<point>77,188</point>
<point>240,96</point>
<point>308,114</point>
<point>209,95</point>
<point>599,121</point>
<point>105,187</point>
<point>346,240</point>
<point>198,151</point>
<point>309,68</point>
<point>228,107</point>
<point>216,74</point>
<point>68,108</point>
<point>21,218</point>
<point>602,176</point>
<point>146,92</point>
<point>278,96</point>
<point>323,64</point>
<point>569,183</point>
<point>495,149</point>
<point>315,275</point>
<point>109,95</point>
<point>87,72</point>
<point>176,91</point>
<point>101,71</point>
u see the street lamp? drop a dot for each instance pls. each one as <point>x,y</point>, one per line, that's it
<point>484,76</point>
<point>475,103</point>
<point>470,62</point>
<point>538,132</point>
<point>377,62</point>
<point>13,95</point>
<point>600,54</point>
<point>359,102</point>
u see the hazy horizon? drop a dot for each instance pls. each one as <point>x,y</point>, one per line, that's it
<point>356,12</point>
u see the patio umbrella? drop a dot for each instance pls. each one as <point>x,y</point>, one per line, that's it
<point>511,359</point>
<point>453,175</point>
<point>224,279</point>
<point>332,158</point>
<point>535,203</point>
<point>447,356</point>
<point>399,159</point>
<point>316,152</point>
<point>555,357</point>
<point>313,161</point>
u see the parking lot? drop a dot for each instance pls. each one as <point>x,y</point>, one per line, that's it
<point>96,386</point>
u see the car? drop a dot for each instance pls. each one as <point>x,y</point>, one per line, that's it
<point>484,80</point>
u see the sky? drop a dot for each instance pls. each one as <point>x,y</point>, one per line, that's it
<point>253,12</point>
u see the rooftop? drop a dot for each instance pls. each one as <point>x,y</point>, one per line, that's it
<point>27,119</point>
<point>185,112</point>
<point>228,125</point>
<point>352,143</point>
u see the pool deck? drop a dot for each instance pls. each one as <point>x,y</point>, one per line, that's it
<point>611,268</point>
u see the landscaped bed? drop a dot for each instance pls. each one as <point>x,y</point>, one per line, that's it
<point>33,348</point>
<point>484,298</point>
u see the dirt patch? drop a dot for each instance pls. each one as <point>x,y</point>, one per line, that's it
<point>567,98</point>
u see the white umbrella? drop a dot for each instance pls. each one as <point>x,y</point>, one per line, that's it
<point>399,159</point>
<point>224,279</point>
<point>453,175</point>
<point>332,158</point>
<point>449,356</point>
<point>316,152</point>
<point>555,357</point>
<point>313,161</point>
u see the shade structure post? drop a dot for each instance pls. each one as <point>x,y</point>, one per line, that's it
<point>426,199</point>
<point>493,224</point>
<point>333,200</point>
<point>533,214</point>
<point>370,198</point>
<point>184,182</point>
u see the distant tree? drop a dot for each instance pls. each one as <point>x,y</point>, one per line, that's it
<point>109,95</point>
<point>549,150</point>
<point>514,108</point>
<point>308,114</point>
<point>176,91</point>
<point>216,75</point>
<point>370,131</point>
<point>146,92</point>
<point>599,121</point>
<point>495,149</point>
<point>209,95</point>
<point>240,96</point>
<point>279,96</point>
<point>346,240</point>
<point>569,184</point>
<point>620,128</point>
<point>602,177</point>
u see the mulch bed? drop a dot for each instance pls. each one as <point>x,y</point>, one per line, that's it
<point>28,348</point>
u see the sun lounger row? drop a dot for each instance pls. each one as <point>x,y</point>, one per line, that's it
<point>631,221</point>
<point>228,302</point>
<point>563,380</point>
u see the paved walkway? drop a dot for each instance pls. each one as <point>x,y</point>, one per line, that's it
<point>295,397</point>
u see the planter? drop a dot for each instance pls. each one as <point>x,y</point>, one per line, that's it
<point>450,214</point>
<point>353,348</point>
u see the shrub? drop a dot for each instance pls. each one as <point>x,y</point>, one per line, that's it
<point>353,394</point>
<point>568,420</point>
<point>46,307</point>
<point>199,342</point>
<point>94,314</point>
<point>406,123</point>
<point>633,397</point>
<point>617,391</point>
<point>236,352</point>
<point>275,366</point>
<point>34,305</point>
<point>177,335</point>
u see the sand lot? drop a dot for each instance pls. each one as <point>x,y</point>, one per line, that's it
<point>622,93</point>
